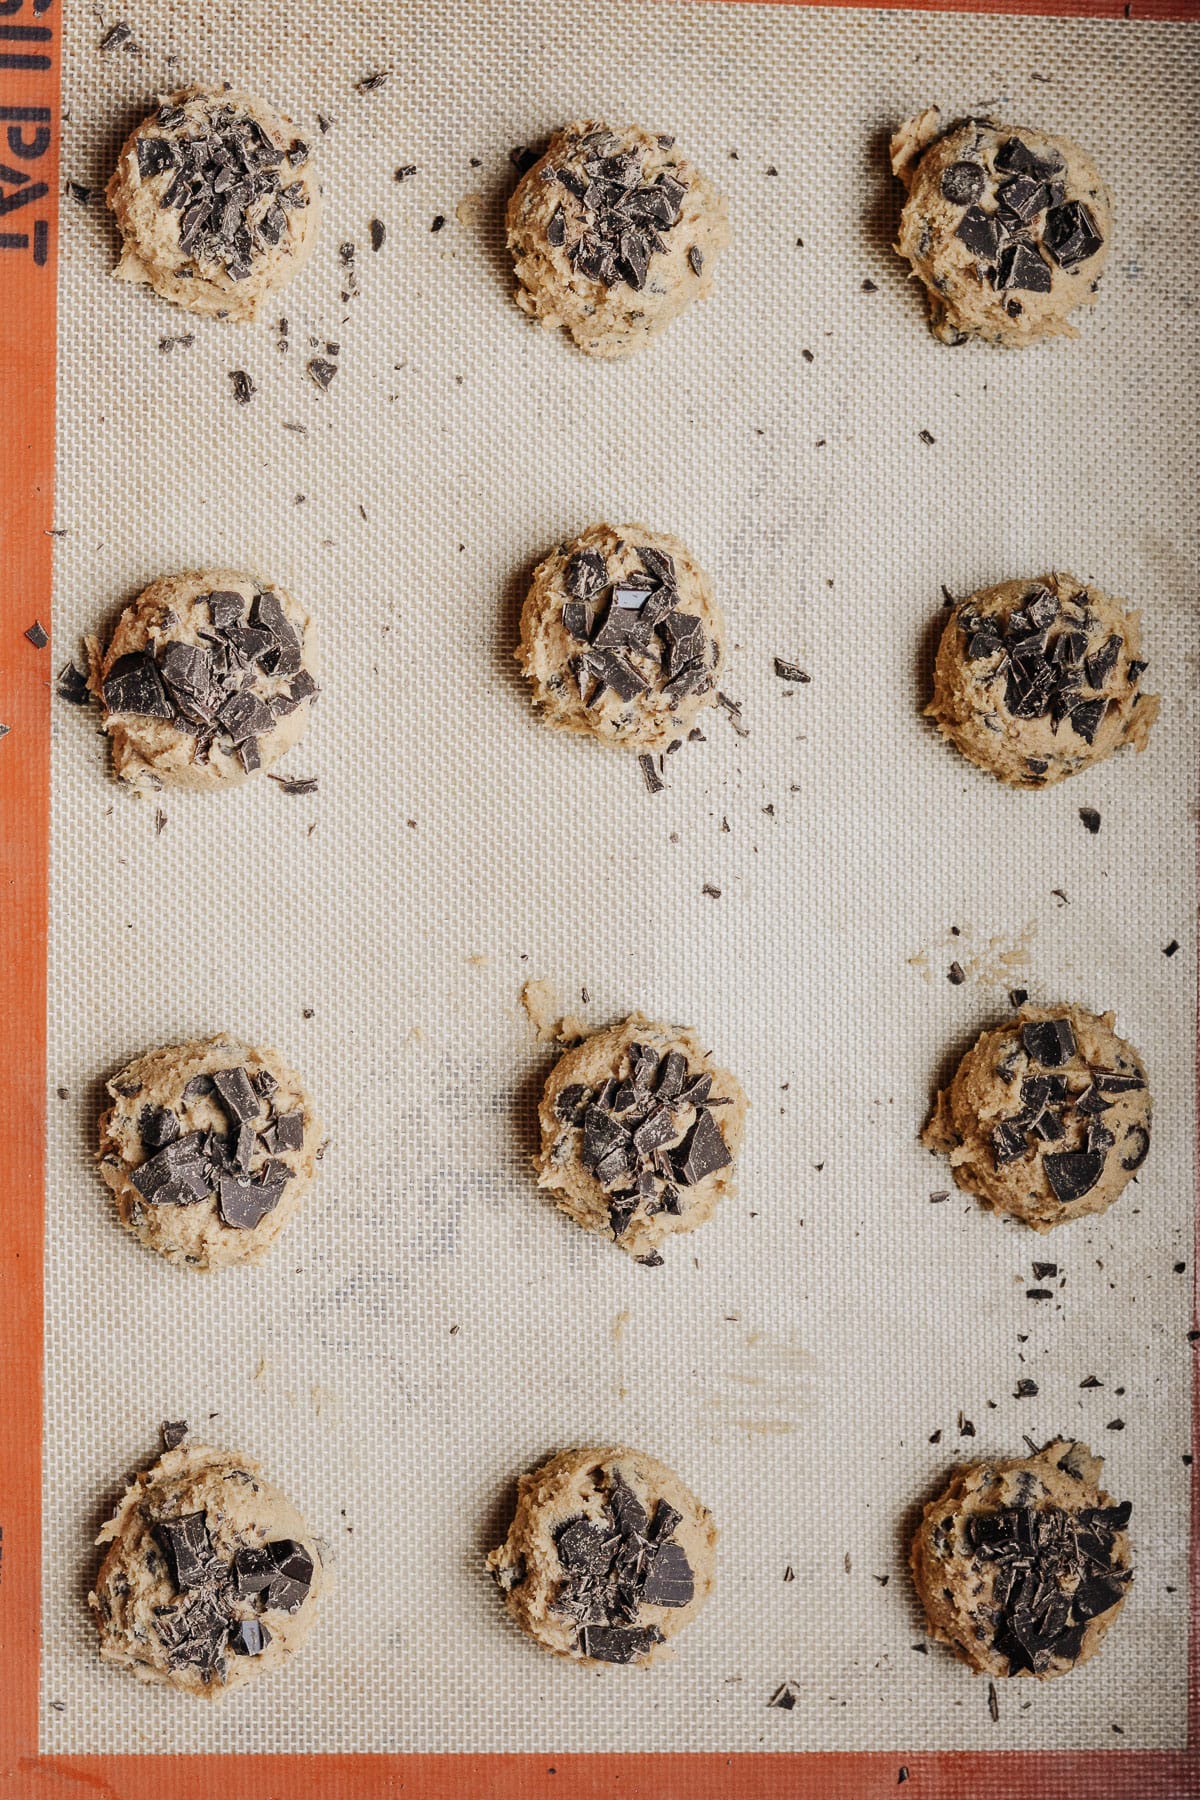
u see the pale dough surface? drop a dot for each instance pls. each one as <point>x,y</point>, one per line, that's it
<point>549,222</point>
<point>578,1484</point>
<point>135,1597</point>
<point>1001,1087</point>
<point>952,171</point>
<point>567,672</point>
<point>957,1586</point>
<point>582,1075</point>
<point>195,1234</point>
<point>973,690</point>
<point>195,277</point>
<point>149,752</point>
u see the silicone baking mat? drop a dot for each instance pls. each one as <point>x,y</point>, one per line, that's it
<point>817,1357</point>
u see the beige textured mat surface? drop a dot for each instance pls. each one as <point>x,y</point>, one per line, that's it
<point>428,1328</point>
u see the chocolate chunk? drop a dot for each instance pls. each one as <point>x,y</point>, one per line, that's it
<point>570,1103</point>
<point>1040,608</point>
<point>601,1136</point>
<point>650,775</point>
<point>695,258</point>
<point>788,671</point>
<point>233,1089</point>
<point>581,1544</point>
<point>1099,667</point>
<point>1049,1042</point>
<point>195,1632</point>
<point>244,388</point>
<point>186,1545</point>
<point>670,1581</point>
<point>132,685</point>
<point>37,634</point>
<point>1020,266</point>
<point>248,1637</point>
<point>155,156</point>
<point>1074,1173</point>
<point>619,675</point>
<point>187,670</point>
<point>982,644</point>
<point>577,619</point>
<point>1114,1081</point>
<point>73,686</point>
<point>225,610</point>
<point>241,1149</point>
<point>962,183</point>
<point>1016,157</point>
<point>249,756</point>
<point>655,1131</point>
<point>586,575</point>
<point>253,1569</point>
<point>980,233</point>
<point>1071,234</point>
<point>618,1643</point>
<point>1030,681</point>
<point>1085,719</point>
<point>1136,1147</point>
<point>243,1204</point>
<point>290,1586</point>
<point>685,638</point>
<point>157,1127</point>
<point>1023,197</point>
<point>1008,1141</point>
<point>627,1510</point>
<point>289,1131</point>
<point>174,1431</point>
<point>702,1153</point>
<point>244,716</point>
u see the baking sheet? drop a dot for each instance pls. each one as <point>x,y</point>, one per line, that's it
<point>428,1327</point>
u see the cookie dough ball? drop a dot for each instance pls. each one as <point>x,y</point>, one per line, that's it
<point>208,1147</point>
<point>211,1577</point>
<point>1022,1566</point>
<point>640,1131</point>
<point>613,233</point>
<point>1047,1118</point>
<point>621,637</point>
<point>1007,227</point>
<point>608,1556</point>
<point>208,677</point>
<point>217,202</point>
<point>1036,680</point>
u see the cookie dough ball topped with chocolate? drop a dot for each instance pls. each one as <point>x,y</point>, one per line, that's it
<point>640,1134</point>
<point>1035,680</point>
<point>217,202</point>
<point>1023,1566</point>
<point>1047,1117</point>
<point>208,677</point>
<point>208,1147</point>
<point>621,637</point>
<point>211,1578</point>
<point>613,233</point>
<point>1008,228</point>
<point>608,1557</point>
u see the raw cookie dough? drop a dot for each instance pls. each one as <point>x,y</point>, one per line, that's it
<point>613,233</point>
<point>1007,227</point>
<point>208,1147</point>
<point>1047,1117</point>
<point>1036,680</point>
<point>607,1558</point>
<point>211,1577</point>
<point>208,676</point>
<point>621,637</point>
<point>1022,1566</point>
<point>640,1129</point>
<point>217,202</point>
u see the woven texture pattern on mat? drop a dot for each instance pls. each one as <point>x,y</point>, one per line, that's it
<point>428,1327</point>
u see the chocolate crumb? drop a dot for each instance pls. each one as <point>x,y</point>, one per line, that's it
<point>993,1703</point>
<point>926,437</point>
<point>243,387</point>
<point>1091,819</point>
<point>439,221</point>
<point>654,781</point>
<point>406,171</point>
<point>868,287</point>
<point>378,231</point>
<point>322,372</point>
<point>1025,1388</point>
<point>371,84</point>
<point>956,974</point>
<point>787,671</point>
<point>1171,948</point>
<point>73,687</point>
<point>37,634</point>
<point>783,1697</point>
<point>173,1433</point>
<point>714,893</point>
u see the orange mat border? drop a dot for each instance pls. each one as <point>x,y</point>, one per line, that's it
<point>29,148</point>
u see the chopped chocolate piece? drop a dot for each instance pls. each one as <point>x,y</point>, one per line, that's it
<point>1136,1147</point>
<point>174,1431</point>
<point>685,638</point>
<point>1099,667</point>
<point>1024,197</point>
<point>293,1577</point>
<point>244,388</point>
<point>321,371</point>
<point>1071,234</point>
<point>790,671</point>
<point>570,1104</point>
<point>1016,157</point>
<point>225,610</point>
<point>37,634</point>
<point>1049,1042</point>
<point>962,183</point>
<point>1085,720</point>
<point>1074,1173</point>
<point>1113,1081</point>
<point>73,685</point>
<point>702,1153</point>
<point>243,1204</point>
<point>581,1544</point>
<point>654,781</point>
<point>586,575</point>
<point>132,685</point>
<point>155,156</point>
<point>1008,1141</point>
<point>1091,818</point>
<point>244,716</point>
<point>980,233</point>
<point>619,675</point>
<point>656,1130</point>
<point>1041,608</point>
<point>253,1569</point>
<point>695,258</point>
<point>248,1637</point>
<point>618,1643</point>
<point>289,1131</point>
<point>982,644</point>
<point>670,1581</point>
<point>1020,266</point>
<point>157,1127</point>
<point>195,1633</point>
<point>242,1149</point>
<point>601,1136</point>
<point>248,755</point>
<point>186,1545</point>
<point>1137,669</point>
<point>235,1093</point>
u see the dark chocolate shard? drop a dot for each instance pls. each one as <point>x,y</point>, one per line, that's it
<point>248,1637</point>
<point>174,1431</point>
<point>670,1581</point>
<point>289,1131</point>
<point>233,1089</point>
<point>1016,157</point>
<point>618,674</point>
<point>586,575</point>
<point>243,1203</point>
<point>1085,718</point>
<point>695,258</point>
<point>133,685</point>
<point>980,233</point>
<point>188,1549</point>
<point>618,1643</point>
<point>1100,666</point>
<point>244,716</point>
<point>225,610</point>
<point>253,1570</point>
<point>1019,265</point>
<point>584,1545</point>
<point>1074,1173</point>
<point>685,639</point>
<point>37,634</point>
<point>1024,197</point>
<point>73,686</point>
<point>289,1588</point>
<point>1071,234</point>
<point>155,156</point>
<point>1115,1081</point>
<point>570,1103</point>
<point>601,1136</point>
<point>627,1510</point>
<point>158,1126</point>
<point>577,619</point>
<point>1049,1042</point>
<point>672,1075</point>
<point>962,183</point>
<point>556,228</point>
<point>1008,1141</point>
<point>702,1153</point>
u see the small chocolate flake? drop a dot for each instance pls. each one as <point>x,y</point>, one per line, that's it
<point>80,194</point>
<point>654,781</point>
<point>244,388</point>
<point>73,687</point>
<point>37,634</point>
<point>695,257</point>
<point>115,36</point>
<point>439,221</point>
<point>1168,949</point>
<point>868,287</point>
<point>783,1697</point>
<point>371,84</point>
<point>186,1545</point>
<point>1018,996</point>
<point>714,893</point>
<point>1091,819</point>
<point>1038,1294</point>
<point>295,784</point>
<point>378,231</point>
<point>406,171</point>
<point>993,1703</point>
<point>1049,1042</point>
<point>321,372</point>
<point>173,1433</point>
<point>1115,1425</point>
<point>926,437</point>
<point>956,974</point>
<point>787,671</point>
<point>1025,1388</point>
